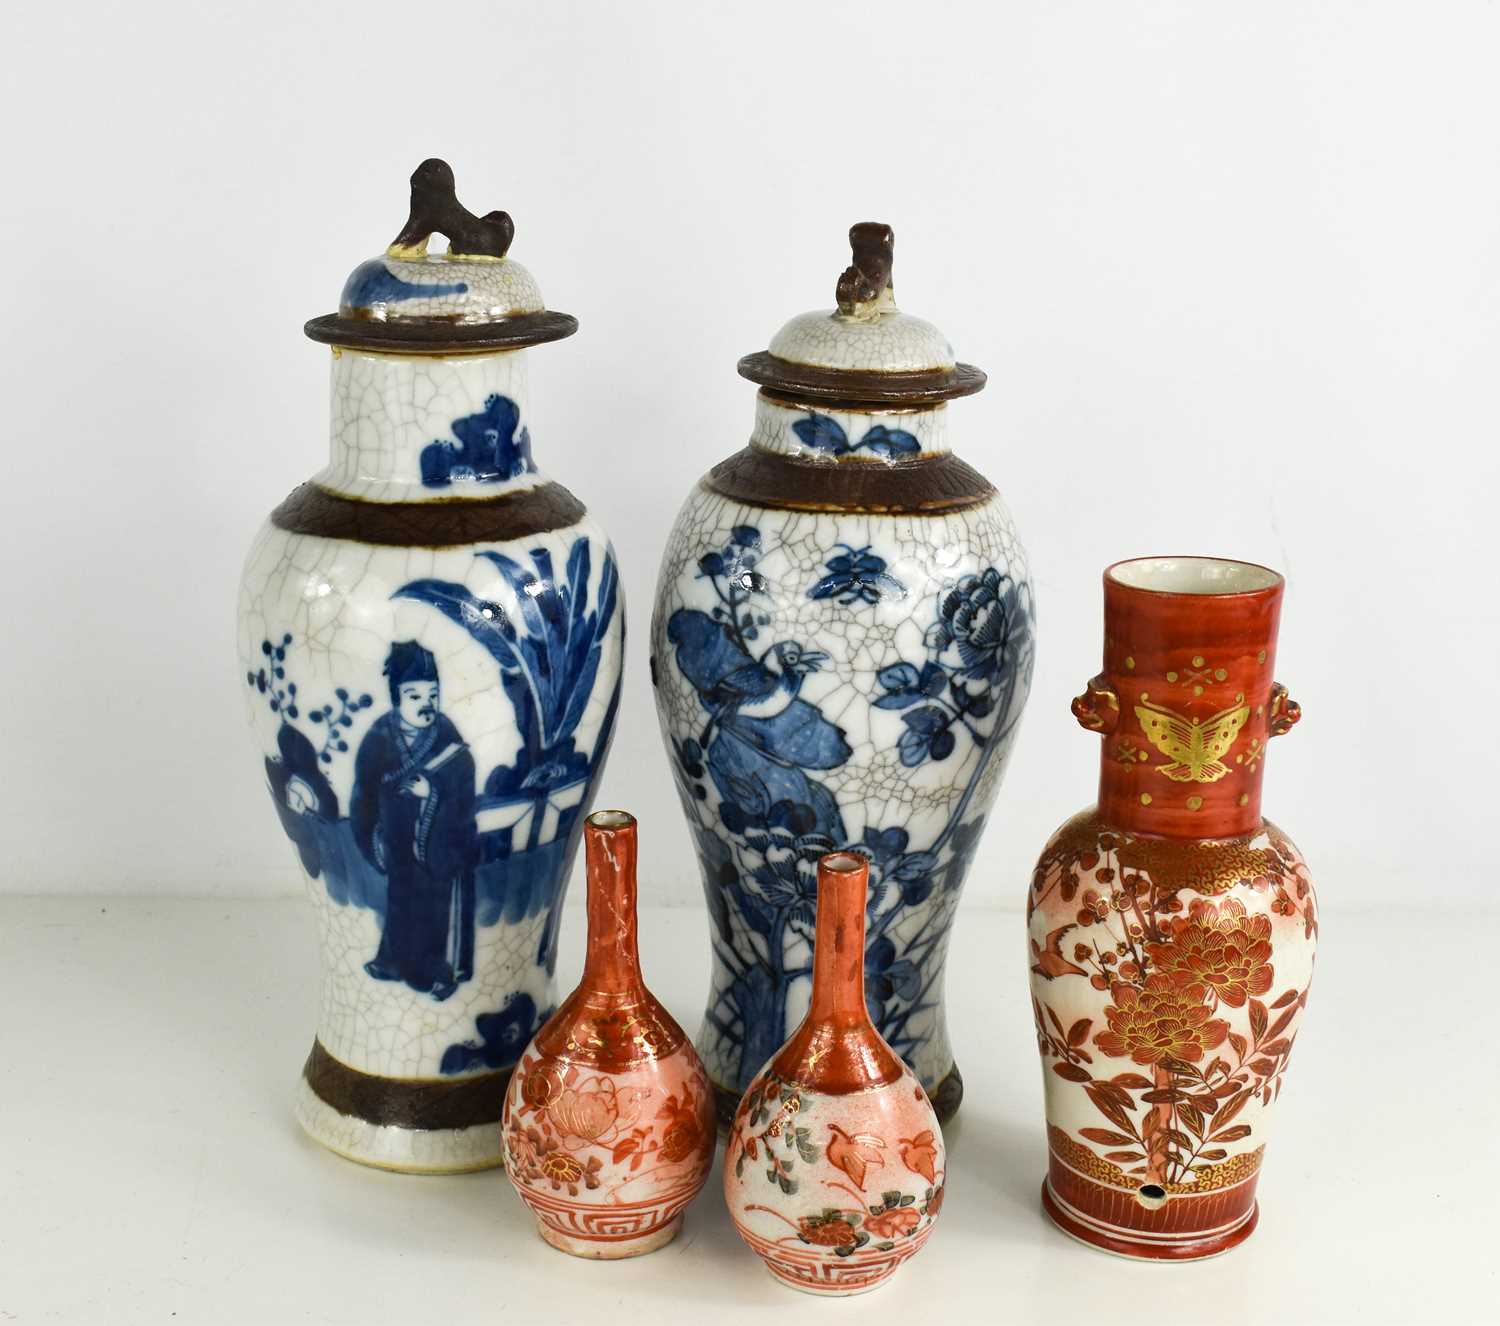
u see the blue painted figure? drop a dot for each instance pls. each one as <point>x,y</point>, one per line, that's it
<point>413,818</point>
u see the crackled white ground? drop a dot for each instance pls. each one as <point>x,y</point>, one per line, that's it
<point>775,429</point>
<point>334,598</point>
<point>927,555</point>
<point>492,288</point>
<point>384,410</point>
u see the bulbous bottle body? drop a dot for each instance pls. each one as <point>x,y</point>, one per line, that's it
<point>835,1168</point>
<point>841,650</point>
<point>430,640</point>
<point>1168,983</point>
<point>834,1191</point>
<point>609,1119</point>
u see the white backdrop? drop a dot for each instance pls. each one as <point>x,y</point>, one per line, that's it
<point>1232,269</point>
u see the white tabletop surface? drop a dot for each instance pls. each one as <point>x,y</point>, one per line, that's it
<point>151,1171</point>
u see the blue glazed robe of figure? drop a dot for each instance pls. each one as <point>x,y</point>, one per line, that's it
<point>425,846</point>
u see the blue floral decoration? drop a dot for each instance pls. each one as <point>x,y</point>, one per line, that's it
<point>821,433</point>
<point>983,625</point>
<point>761,747</point>
<point>856,575</point>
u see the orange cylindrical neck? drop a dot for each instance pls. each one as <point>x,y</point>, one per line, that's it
<point>1194,675</point>
<point>612,964</point>
<point>837,1047</point>
<point>838,991</point>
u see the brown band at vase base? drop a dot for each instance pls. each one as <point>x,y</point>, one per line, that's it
<point>386,1102</point>
<point>436,524</point>
<point>932,487</point>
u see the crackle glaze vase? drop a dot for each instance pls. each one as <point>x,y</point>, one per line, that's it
<point>430,640</point>
<point>1172,928</point>
<point>609,1120</point>
<point>834,1169</point>
<point>841,649</point>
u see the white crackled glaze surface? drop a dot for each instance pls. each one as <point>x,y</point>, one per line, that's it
<point>927,556</point>
<point>492,288</point>
<point>412,1151</point>
<point>321,615</point>
<point>774,428</point>
<point>889,341</point>
<point>334,598</point>
<point>384,410</point>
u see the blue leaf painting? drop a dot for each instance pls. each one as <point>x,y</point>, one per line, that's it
<point>821,433</point>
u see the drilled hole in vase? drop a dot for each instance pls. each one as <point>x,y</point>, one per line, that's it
<point>1151,1196</point>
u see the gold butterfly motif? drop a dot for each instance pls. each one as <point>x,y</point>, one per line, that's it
<point>1194,748</point>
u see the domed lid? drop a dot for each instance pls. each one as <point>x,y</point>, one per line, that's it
<point>865,350</point>
<point>473,297</point>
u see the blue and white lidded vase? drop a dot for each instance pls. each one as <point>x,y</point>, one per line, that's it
<point>841,649</point>
<point>430,638</point>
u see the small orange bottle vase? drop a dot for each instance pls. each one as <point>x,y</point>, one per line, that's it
<point>834,1167</point>
<point>609,1120</point>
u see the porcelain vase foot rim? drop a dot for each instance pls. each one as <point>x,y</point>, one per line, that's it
<point>611,1249</point>
<point>1191,1249</point>
<point>817,1292</point>
<point>400,1150</point>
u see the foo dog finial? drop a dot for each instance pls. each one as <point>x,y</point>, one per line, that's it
<point>865,287</point>
<point>435,209</point>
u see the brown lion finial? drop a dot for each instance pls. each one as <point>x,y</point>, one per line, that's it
<point>435,210</point>
<point>869,277</point>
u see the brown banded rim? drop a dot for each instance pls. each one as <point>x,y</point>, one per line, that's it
<point>931,486</point>
<point>810,382</point>
<point>441,335</point>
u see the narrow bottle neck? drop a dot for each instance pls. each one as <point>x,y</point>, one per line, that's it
<point>838,993</point>
<point>843,435</point>
<point>414,428</point>
<point>612,964</point>
<point>837,1048</point>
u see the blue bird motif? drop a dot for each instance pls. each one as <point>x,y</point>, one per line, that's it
<point>759,735</point>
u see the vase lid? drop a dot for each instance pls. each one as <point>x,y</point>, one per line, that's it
<point>474,297</point>
<point>865,350</point>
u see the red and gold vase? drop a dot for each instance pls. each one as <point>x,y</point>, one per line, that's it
<point>609,1125</point>
<point>834,1167</point>
<point>1172,928</point>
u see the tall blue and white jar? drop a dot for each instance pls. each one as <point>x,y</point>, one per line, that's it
<point>430,636</point>
<point>841,650</point>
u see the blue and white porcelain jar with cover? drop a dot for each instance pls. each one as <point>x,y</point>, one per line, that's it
<point>841,649</point>
<point>430,637</point>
